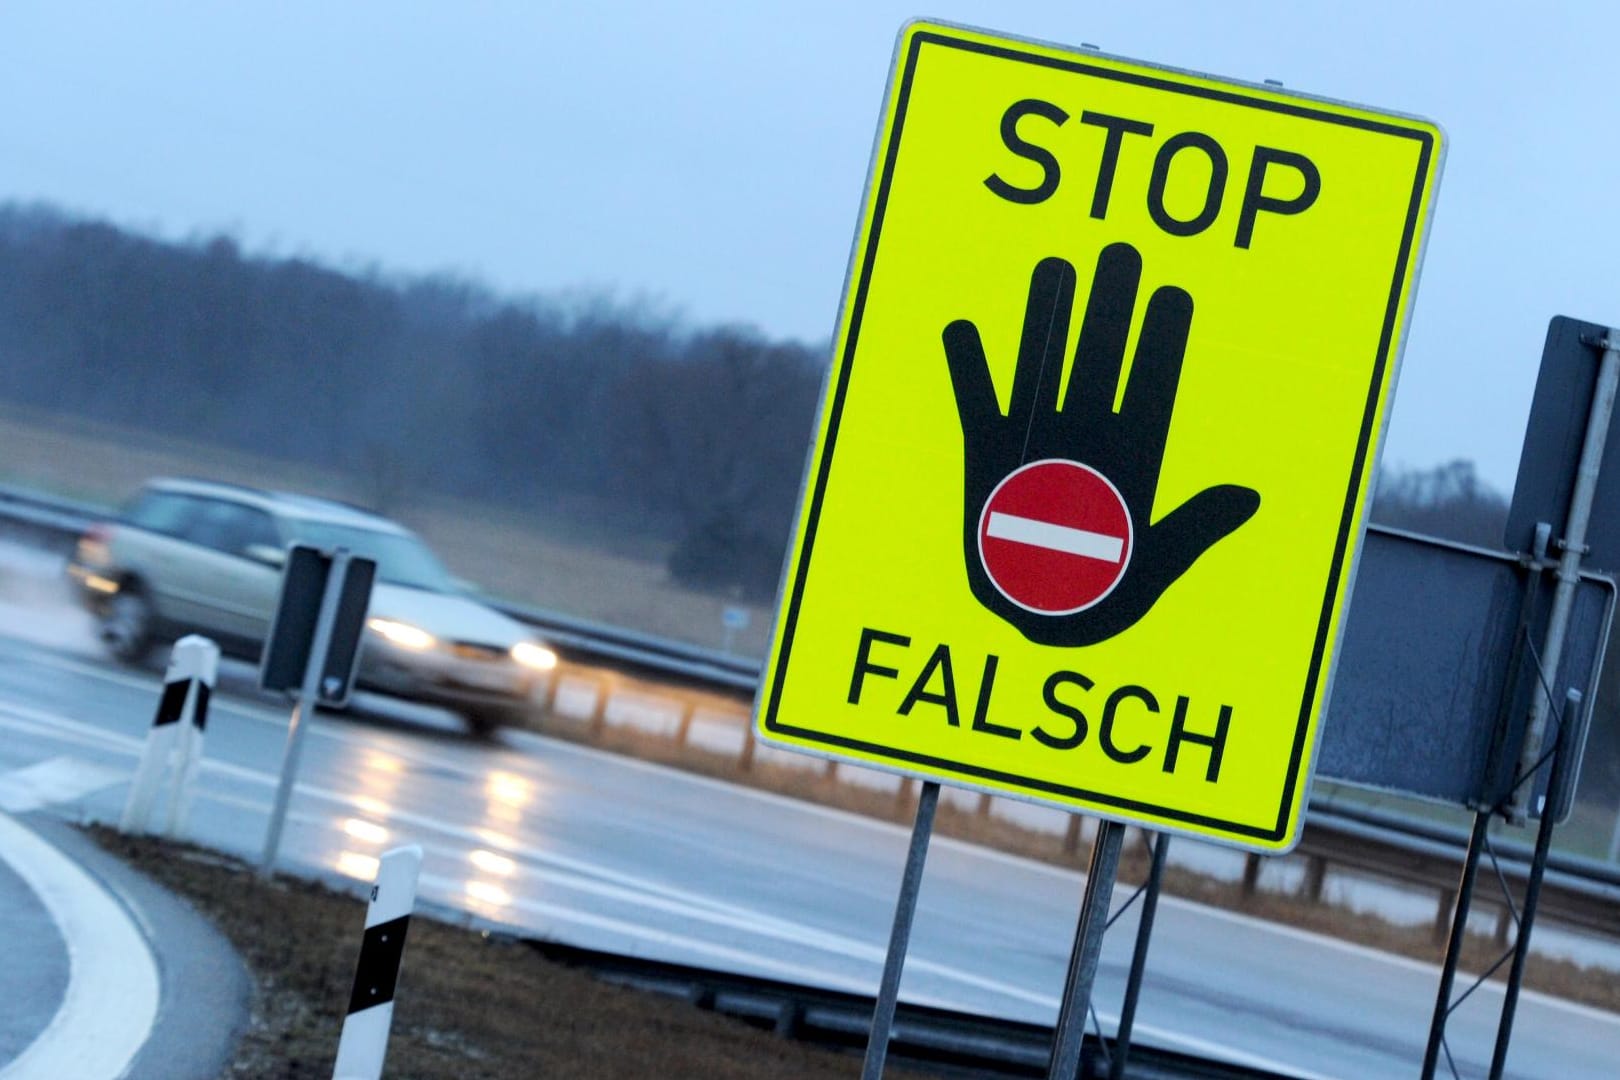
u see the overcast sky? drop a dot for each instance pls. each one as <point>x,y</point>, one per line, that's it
<point>712,155</point>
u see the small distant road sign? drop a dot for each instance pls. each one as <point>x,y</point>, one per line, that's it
<point>1109,383</point>
<point>304,584</point>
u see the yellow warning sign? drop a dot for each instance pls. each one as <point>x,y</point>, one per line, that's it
<point>1093,458</point>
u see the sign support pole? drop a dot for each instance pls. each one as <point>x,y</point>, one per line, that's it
<point>1569,563</point>
<point>1144,935</point>
<point>308,696</point>
<point>1532,888</point>
<point>877,1043</point>
<point>1083,960</point>
<point>1454,944</point>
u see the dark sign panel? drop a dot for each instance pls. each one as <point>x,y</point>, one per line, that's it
<point>1552,447</point>
<point>1432,687</point>
<point>292,632</point>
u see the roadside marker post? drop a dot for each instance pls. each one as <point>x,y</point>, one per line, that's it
<point>316,633</point>
<point>364,1041</point>
<point>174,742</point>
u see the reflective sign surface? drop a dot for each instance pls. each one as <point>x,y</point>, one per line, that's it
<point>1091,469</point>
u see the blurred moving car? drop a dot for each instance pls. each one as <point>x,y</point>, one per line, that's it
<point>192,556</point>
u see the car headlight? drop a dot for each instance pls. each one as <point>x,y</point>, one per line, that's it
<point>533,655</point>
<point>404,635</point>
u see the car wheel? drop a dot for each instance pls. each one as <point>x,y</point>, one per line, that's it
<point>484,720</point>
<point>126,626</point>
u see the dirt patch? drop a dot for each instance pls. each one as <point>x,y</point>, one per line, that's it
<point>471,1005</point>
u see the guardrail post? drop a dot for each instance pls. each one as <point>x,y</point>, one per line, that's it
<point>604,691</point>
<point>1251,874</point>
<point>1071,836</point>
<point>1315,878</point>
<point>683,729</point>
<point>1504,919</point>
<point>548,704</point>
<point>905,796</point>
<point>1442,914</point>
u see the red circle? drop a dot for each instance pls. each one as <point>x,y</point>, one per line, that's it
<point>1055,537</point>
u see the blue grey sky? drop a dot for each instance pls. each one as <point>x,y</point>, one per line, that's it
<point>711,156</point>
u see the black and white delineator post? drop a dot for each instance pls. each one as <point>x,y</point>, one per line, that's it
<point>364,1041</point>
<point>174,743</point>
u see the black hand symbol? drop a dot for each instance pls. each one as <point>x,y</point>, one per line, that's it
<point>1126,447</point>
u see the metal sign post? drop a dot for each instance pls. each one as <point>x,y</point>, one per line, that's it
<point>1144,936</point>
<point>308,695</point>
<point>877,1042</point>
<point>1569,563</point>
<point>1088,936</point>
<point>1532,890</point>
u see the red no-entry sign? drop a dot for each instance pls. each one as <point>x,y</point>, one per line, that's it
<point>1055,536</point>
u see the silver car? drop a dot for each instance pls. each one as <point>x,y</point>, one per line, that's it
<point>192,556</point>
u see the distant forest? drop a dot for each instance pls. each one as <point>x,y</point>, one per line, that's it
<point>698,434</point>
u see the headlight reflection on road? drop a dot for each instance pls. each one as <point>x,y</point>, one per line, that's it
<point>488,893</point>
<point>355,865</point>
<point>378,777</point>
<point>508,793</point>
<point>370,804</point>
<point>366,831</point>
<point>491,863</point>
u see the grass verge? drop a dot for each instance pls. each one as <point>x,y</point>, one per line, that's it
<point>471,1006</point>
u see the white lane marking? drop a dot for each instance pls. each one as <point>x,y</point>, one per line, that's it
<point>54,780</point>
<point>1062,538</point>
<point>112,993</point>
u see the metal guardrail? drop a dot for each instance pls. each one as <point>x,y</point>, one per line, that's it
<point>1583,891</point>
<point>925,1037</point>
<point>53,517</point>
<point>1577,891</point>
<point>57,520</point>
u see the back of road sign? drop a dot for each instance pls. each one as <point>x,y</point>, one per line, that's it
<point>1091,469</point>
<point>1553,439</point>
<point>1428,699</point>
<point>304,583</point>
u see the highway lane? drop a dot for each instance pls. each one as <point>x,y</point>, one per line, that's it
<point>610,853</point>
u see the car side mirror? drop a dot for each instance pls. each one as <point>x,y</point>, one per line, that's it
<point>268,554</point>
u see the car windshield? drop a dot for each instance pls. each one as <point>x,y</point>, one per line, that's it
<point>402,559</point>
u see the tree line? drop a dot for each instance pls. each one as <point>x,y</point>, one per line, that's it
<point>696,435</point>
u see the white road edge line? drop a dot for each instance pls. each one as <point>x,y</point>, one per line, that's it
<point>111,1001</point>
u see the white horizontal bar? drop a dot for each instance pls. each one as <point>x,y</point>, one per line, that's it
<point>1023,530</point>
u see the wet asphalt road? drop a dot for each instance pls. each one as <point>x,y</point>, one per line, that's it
<point>597,850</point>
